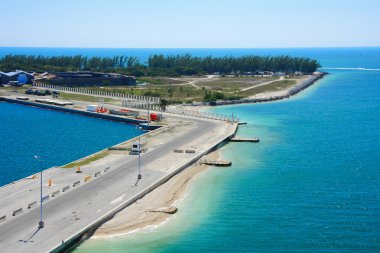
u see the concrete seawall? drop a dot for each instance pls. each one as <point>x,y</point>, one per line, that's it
<point>79,112</point>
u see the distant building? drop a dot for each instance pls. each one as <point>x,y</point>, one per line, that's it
<point>17,77</point>
<point>85,79</point>
<point>279,74</point>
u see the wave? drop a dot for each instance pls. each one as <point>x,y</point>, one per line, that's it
<point>365,69</point>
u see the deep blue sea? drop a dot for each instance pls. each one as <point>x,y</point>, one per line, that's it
<point>57,137</point>
<point>312,184</point>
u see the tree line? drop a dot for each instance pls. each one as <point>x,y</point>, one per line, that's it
<point>161,65</point>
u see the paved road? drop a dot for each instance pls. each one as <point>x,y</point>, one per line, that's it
<point>71,212</point>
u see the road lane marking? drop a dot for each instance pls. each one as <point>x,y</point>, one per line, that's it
<point>119,199</point>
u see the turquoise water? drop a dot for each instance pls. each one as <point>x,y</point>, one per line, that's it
<point>57,137</point>
<point>310,185</point>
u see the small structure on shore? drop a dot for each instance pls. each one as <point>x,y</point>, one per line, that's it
<point>237,139</point>
<point>217,163</point>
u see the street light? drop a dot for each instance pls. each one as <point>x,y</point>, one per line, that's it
<point>40,223</point>
<point>148,111</point>
<point>139,176</point>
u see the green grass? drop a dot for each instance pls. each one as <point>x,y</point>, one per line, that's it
<point>88,160</point>
<point>20,90</point>
<point>230,86</point>
<point>80,97</point>
<point>161,80</point>
<point>275,86</point>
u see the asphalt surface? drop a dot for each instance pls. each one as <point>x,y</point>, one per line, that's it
<point>70,213</point>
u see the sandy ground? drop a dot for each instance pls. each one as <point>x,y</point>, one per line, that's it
<point>146,211</point>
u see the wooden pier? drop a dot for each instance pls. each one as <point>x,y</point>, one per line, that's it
<point>237,139</point>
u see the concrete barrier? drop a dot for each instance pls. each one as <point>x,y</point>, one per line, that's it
<point>76,183</point>
<point>178,151</point>
<point>97,174</point>
<point>17,212</point>
<point>33,204</point>
<point>107,169</point>
<point>190,151</point>
<point>66,188</point>
<point>3,218</point>
<point>46,198</point>
<point>88,178</point>
<point>56,193</point>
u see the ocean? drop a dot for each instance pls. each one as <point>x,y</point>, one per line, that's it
<point>310,185</point>
<point>57,137</point>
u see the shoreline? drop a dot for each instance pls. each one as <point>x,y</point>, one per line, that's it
<point>147,211</point>
<point>276,95</point>
<point>178,132</point>
<point>137,217</point>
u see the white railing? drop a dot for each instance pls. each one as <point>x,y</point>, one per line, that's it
<point>101,93</point>
<point>201,114</point>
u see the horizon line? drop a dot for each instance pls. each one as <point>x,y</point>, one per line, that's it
<point>312,47</point>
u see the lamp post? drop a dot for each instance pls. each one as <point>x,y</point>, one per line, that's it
<point>148,113</point>
<point>40,223</point>
<point>139,176</point>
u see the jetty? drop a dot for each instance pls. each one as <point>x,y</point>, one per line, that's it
<point>76,204</point>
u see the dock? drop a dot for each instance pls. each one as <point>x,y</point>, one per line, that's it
<point>218,163</point>
<point>238,139</point>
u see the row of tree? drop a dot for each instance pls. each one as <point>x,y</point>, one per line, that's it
<point>66,63</point>
<point>187,64</point>
<point>161,65</point>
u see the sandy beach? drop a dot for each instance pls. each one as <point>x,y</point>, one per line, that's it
<point>151,209</point>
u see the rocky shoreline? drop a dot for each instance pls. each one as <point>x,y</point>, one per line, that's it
<point>291,92</point>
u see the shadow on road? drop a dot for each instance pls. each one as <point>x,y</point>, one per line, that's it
<point>30,238</point>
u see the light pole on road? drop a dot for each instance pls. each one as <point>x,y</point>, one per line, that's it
<point>139,175</point>
<point>40,223</point>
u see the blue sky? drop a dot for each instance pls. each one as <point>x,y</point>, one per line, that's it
<point>190,24</point>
